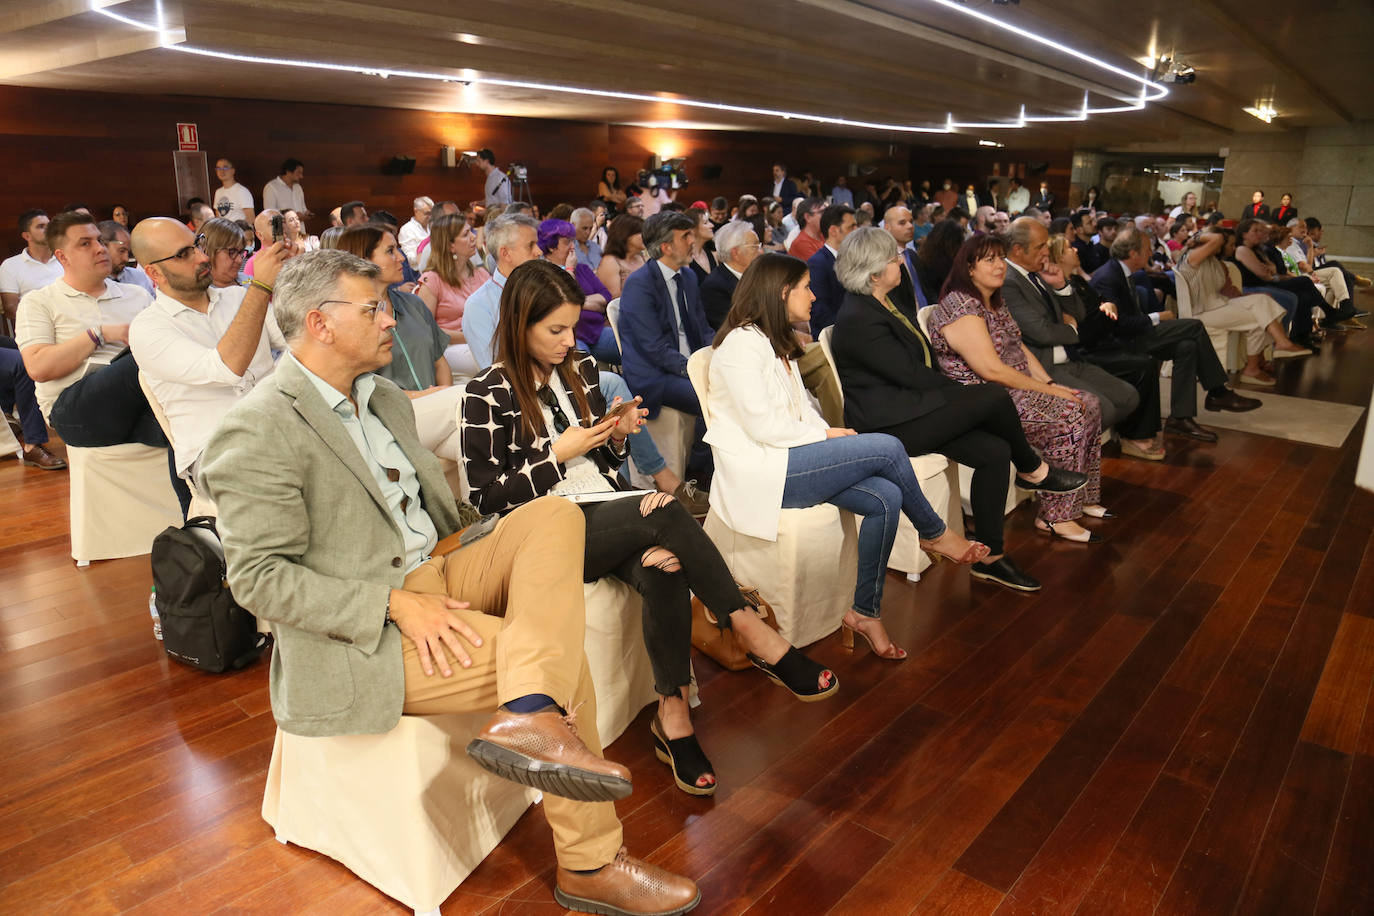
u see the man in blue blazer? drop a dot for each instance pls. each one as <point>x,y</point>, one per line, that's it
<point>661,319</point>
<point>837,221</point>
<point>784,189</point>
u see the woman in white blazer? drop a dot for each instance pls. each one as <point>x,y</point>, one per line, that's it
<point>773,451</point>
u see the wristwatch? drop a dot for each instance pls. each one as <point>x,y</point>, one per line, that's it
<point>388,621</point>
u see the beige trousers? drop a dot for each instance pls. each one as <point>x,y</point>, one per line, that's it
<point>1333,284</point>
<point>822,384</point>
<point>524,582</point>
<point>1250,313</point>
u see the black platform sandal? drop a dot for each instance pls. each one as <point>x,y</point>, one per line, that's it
<point>685,757</point>
<point>793,671</point>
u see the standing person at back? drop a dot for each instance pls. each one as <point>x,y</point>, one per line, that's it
<point>496,188</point>
<point>232,200</point>
<point>285,192</point>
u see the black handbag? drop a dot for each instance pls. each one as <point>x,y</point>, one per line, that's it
<point>202,625</point>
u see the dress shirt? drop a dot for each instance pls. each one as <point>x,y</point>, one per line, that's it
<point>136,276</point>
<point>777,188</point>
<point>1017,201</point>
<point>177,349</point>
<point>1130,285</point>
<point>278,195</point>
<point>481,314</point>
<point>57,313</point>
<point>24,273</point>
<point>674,283</point>
<point>231,202</point>
<point>497,188</point>
<point>1060,354</point>
<point>589,255</point>
<point>390,467</point>
<point>842,196</point>
<point>409,238</point>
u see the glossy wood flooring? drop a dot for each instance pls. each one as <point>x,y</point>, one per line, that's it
<point>1178,723</point>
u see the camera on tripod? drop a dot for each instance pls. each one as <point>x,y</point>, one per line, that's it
<point>665,174</point>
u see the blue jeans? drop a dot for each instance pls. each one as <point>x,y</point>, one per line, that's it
<point>646,455</point>
<point>604,348</point>
<point>869,475</point>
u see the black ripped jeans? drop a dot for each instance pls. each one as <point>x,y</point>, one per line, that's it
<point>617,537</point>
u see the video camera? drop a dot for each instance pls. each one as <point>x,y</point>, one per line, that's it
<point>665,174</point>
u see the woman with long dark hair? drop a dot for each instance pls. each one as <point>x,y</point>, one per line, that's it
<point>773,451</point>
<point>536,422</point>
<point>608,189</point>
<point>623,252</point>
<point>936,256</point>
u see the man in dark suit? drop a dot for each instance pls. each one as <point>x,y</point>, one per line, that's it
<point>1049,312</point>
<point>1162,335</point>
<point>837,221</point>
<point>784,189</point>
<point>1258,209</point>
<point>737,245</point>
<point>1045,199</point>
<point>1082,223</point>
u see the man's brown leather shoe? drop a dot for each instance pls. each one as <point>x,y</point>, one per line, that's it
<point>542,750</point>
<point>39,457</point>
<point>627,887</point>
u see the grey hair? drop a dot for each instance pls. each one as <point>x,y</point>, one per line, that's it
<point>1021,230</point>
<point>309,279</point>
<point>421,201</point>
<point>864,254</point>
<point>659,229</point>
<point>579,214</point>
<point>1290,224</point>
<point>732,235</point>
<point>501,231</point>
<point>1128,243</point>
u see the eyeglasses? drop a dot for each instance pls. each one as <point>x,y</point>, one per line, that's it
<point>550,400</point>
<point>182,254</point>
<point>370,309</point>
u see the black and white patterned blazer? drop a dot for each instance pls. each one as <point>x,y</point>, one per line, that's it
<point>505,469</point>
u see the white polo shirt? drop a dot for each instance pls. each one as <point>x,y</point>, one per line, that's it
<point>278,195</point>
<point>411,235</point>
<point>57,313</point>
<point>24,273</point>
<point>231,202</point>
<point>176,349</point>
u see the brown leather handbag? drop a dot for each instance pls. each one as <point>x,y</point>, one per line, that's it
<point>721,645</point>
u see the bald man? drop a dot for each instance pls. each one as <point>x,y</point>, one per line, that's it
<point>202,348</point>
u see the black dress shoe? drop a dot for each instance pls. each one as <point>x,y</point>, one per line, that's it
<point>1005,572</point>
<point>1057,480</point>
<point>1231,401</point>
<point>1187,426</point>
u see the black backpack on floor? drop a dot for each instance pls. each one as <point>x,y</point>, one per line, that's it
<point>202,625</point>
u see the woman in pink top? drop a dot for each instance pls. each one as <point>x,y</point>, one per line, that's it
<point>451,278</point>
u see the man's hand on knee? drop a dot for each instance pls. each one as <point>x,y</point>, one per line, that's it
<point>430,623</point>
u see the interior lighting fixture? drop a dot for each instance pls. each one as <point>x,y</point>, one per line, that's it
<point>992,143</point>
<point>1265,111</point>
<point>1150,90</point>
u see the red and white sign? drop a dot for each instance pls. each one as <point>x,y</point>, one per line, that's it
<point>187,137</point>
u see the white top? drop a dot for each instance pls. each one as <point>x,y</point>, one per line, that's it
<point>57,313</point>
<point>580,474</point>
<point>231,202</point>
<point>24,273</point>
<point>1018,200</point>
<point>409,238</point>
<point>497,188</point>
<point>175,348</point>
<point>758,410</point>
<point>278,195</point>
<point>671,278</point>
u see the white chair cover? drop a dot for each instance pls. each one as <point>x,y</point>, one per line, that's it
<point>121,498</point>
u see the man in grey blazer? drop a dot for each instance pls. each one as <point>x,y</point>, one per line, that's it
<point>332,516</point>
<point>1048,314</point>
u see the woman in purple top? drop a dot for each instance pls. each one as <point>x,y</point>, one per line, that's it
<point>556,241</point>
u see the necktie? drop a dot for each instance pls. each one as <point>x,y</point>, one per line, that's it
<point>681,296</point>
<point>1046,296</point>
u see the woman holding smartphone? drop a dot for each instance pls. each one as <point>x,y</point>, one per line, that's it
<point>530,428</point>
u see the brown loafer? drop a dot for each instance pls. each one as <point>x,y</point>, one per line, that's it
<point>542,750</point>
<point>39,457</point>
<point>1135,451</point>
<point>626,887</point>
<point>697,501</point>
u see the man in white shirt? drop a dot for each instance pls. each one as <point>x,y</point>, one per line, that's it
<point>416,230</point>
<point>497,188</point>
<point>1018,198</point>
<point>285,192</point>
<point>588,251</point>
<point>115,238</point>
<point>232,200</point>
<point>32,268</point>
<point>72,335</point>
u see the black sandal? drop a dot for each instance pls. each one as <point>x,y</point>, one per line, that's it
<point>685,756</point>
<point>795,670</point>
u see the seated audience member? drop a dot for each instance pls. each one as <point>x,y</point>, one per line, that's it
<point>537,423</point>
<point>773,451</point>
<point>115,238</point>
<point>623,252</point>
<point>32,268</point>
<point>231,200</point>
<point>202,347</point>
<point>837,221</point>
<point>1258,275</point>
<point>661,321</point>
<point>775,233</point>
<point>1163,336</point>
<point>1048,312</point>
<point>285,192</point>
<point>1082,225</point>
<point>335,220</point>
<point>1187,207</point>
<point>225,245</point>
<point>1044,217</point>
<point>1180,230</point>
<point>1318,258</point>
<point>608,189</point>
<point>262,228</point>
<point>982,220</point>
<point>1001,222</point>
<point>201,213</point>
<point>897,222</point>
<point>418,365</point>
<point>892,384</point>
<point>557,242</point>
<point>703,245</point>
<point>1220,305</point>
<point>809,238</point>
<point>448,285</point>
<point>356,594</point>
<point>1257,208</point>
<point>922,224</point>
<point>1106,234</point>
<point>1301,251</point>
<point>936,256</point>
<point>17,394</point>
<point>976,340</point>
<point>719,212</point>
<point>297,234</point>
<point>634,205</point>
<point>588,249</point>
<point>353,213</point>
<point>1330,281</point>
<point>416,229</point>
<point>738,246</point>
<point>120,214</point>
<point>72,334</point>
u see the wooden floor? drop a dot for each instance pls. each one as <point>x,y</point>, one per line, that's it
<point>1179,723</point>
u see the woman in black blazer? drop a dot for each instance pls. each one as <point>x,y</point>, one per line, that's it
<point>530,428</point>
<point>892,385</point>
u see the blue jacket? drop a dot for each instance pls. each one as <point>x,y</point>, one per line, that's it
<point>827,289</point>
<point>648,331</point>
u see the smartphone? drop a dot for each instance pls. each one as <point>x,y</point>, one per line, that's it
<point>278,228</point>
<point>478,529</point>
<point>618,411</point>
